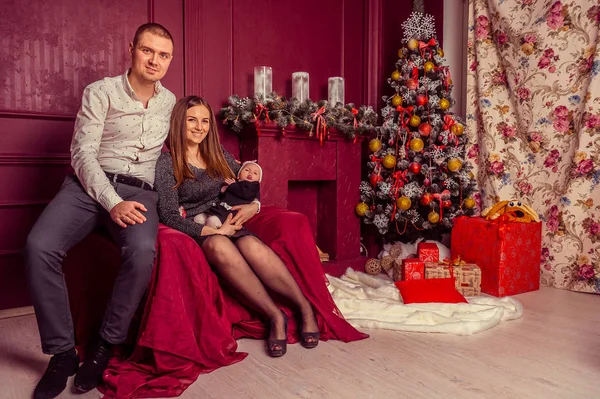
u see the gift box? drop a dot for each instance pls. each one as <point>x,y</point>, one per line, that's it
<point>467,276</point>
<point>409,269</point>
<point>508,253</point>
<point>428,252</point>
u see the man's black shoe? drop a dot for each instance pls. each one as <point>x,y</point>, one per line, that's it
<point>53,382</point>
<point>89,375</point>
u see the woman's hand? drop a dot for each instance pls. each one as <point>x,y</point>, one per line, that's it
<point>245,212</point>
<point>228,228</point>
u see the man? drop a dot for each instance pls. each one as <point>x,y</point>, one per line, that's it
<point>119,133</point>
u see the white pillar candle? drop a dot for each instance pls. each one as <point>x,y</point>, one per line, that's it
<point>300,86</point>
<point>335,91</point>
<point>263,81</point>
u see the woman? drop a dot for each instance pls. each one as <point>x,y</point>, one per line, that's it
<point>191,176</point>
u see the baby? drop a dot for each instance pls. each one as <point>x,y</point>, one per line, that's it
<point>243,191</point>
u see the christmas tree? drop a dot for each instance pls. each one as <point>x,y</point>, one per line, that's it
<point>418,177</point>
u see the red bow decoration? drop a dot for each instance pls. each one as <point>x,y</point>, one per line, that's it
<point>321,124</point>
<point>257,112</point>
<point>425,46</point>
<point>439,198</point>
<point>354,113</point>
<point>448,122</point>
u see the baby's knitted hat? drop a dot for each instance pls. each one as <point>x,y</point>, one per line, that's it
<point>251,162</point>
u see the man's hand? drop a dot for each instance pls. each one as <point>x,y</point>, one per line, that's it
<point>245,212</point>
<point>126,212</point>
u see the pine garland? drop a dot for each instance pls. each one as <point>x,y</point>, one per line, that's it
<point>347,120</point>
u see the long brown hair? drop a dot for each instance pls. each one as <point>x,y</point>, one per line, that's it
<point>210,148</point>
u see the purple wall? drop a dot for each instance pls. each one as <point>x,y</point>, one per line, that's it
<point>51,50</point>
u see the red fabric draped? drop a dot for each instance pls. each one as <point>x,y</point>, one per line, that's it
<point>188,323</point>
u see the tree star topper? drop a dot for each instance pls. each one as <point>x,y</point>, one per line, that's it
<point>419,26</point>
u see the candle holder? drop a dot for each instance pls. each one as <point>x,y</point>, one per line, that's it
<point>335,91</point>
<point>263,82</point>
<point>300,86</point>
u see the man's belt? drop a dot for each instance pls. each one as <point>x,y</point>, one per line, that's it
<point>129,180</point>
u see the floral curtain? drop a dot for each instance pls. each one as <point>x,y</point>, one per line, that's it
<point>534,115</point>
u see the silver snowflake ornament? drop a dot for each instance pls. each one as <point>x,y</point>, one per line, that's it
<point>419,26</point>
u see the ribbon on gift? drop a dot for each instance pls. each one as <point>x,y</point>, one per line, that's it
<point>258,111</point>
<point>438,197</point>
<point>321,124</point>
<point>426,46</point>
<point>456,262</point>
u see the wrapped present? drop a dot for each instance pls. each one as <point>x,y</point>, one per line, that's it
<point>467,276</point>
<point>428,252</point>
<point>508,253</point>
<point>409,269</point>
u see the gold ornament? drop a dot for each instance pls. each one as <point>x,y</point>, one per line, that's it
<point>440,52</point>
<point>433,217</point>
<point>457,129</point>
<point>469,203</point>
<point>454,165</point>
<point>361,209</point>
<point>403,203</point>
<point>396,100</point>
<point>416,145</point>
<point>414,121</point>
<point>400,53</point>
<point>413,44</point>
<point>444,104</point>
<point>375,145</point>
<point>396,75</point>
<point>389,161</point>
<point>373,266</point>
<point>429,66</point>
<point>471,175</point>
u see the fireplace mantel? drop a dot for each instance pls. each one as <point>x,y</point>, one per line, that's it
<point>321,182</point>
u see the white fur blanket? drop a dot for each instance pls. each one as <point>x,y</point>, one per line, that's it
<point>374,302</point>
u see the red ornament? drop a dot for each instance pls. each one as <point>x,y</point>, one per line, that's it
<point>426,182</point>
<point>415,167</point>
<point>426,199</point>
<point>425,129</point>
<point>422,99</point>
<point>412,84</point>
<point>375,178</point>
<point>446,204</point>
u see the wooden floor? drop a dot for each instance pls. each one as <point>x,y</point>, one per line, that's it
<point>553,352</point>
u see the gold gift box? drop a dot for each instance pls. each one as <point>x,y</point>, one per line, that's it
<point>468,276</point>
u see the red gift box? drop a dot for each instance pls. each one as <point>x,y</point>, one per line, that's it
<point>508,253</point>
<point>428,252</point>
<point>413,269</point>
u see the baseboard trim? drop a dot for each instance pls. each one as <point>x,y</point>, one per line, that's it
<point>16,312</point>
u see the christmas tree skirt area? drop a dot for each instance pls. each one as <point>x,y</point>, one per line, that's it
<point>374,302</point>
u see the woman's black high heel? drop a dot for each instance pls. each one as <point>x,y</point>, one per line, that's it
<point>282,343</point>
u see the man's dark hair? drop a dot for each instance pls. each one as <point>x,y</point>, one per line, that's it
<point>154,28</point>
